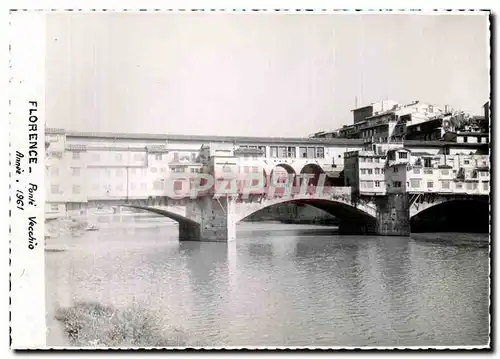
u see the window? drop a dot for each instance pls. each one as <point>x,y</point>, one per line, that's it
<point>118,157</point>
<point>369,171</point>
<point>428,171</point>
<point>54,189</point>
<point>76,155</point>
<point>382,170</point>
<point>369,159</point>
<point>465,139</point>
<point>263,149</point>
<point>226,169</point>
<point>377,171</point>
<point>291,152</point>
<point>56,154</point>
<point>403,155</point>
<point>75,171</point>
<point>391,156</point>
<point>96,157</point>
<point>320,152</point>
<point>310,152</point>
<point>362,159</point>
<point>54,171</point>
<point>486,186</point>
<point>177,185</point>
<point>377,183</point>
<point>303,152</point>
<point>474,185</point>
<point>376,159</point>
<point>445,172</point>
<point>158,157</point>
<point>76,189</point>
<point>415,182</point>
<point>430,184</point>
<point>274,151</point>
<point>119,172</point>
<point>397,184</point>
<point>458,185</point>
<point>54,207</point>
<point>396,170</point>
<point>153,169</point>
<point>255,169</point>
<point>366,184</point>
<point>119,187</point>
<point>138,157</point>
<point>445,184</point>
<point>179,169</point>
<point>416,171</point>
<point>163,169</point>
<point>282,152</point>
<point>466,162</point>
<point>427,162</point>
<point>157,185</point>
<point>176,157</point>
<point>362,171</point>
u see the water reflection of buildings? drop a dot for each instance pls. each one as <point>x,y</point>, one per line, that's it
<point>394,266</point>
<point>207,268</point>
<point>453,281</point>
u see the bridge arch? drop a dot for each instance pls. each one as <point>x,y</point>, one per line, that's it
<point>451,214</point>
<point>166,212</point>
<point>280,168</point>
<point>312,168</point>
<point>341,209</point>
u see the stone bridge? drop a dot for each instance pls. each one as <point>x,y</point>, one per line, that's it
<point>421,202</point>
<point>214,219</point>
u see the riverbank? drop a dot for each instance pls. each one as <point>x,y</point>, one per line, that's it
<point>90,324</point>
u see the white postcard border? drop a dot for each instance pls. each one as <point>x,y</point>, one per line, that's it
<point>27,83</point>
<point>27,171</point>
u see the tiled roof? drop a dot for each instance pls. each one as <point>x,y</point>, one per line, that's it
<point>53,130</point>
<point>228,139</point>
<point>157,149</point>
<point>248,151</point>
<point>76,147</point>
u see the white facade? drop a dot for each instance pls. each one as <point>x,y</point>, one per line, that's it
<point>85,170</point>
<point>402,170</point>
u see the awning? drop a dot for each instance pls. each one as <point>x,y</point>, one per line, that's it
<point>333,174</point>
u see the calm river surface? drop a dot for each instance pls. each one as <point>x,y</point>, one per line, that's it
<point>282,285</point>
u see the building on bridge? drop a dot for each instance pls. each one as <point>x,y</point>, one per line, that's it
<point>394,167</point>
<point>412,181</point>
<point>89,170</point>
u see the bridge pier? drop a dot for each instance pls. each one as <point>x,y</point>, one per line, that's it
<point>216,221</point>
<point>392,219</point>
<point>393,215</point>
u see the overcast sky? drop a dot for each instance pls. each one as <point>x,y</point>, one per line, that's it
<point>255,74</point>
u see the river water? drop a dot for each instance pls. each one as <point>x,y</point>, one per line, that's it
<point>282,285</point>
